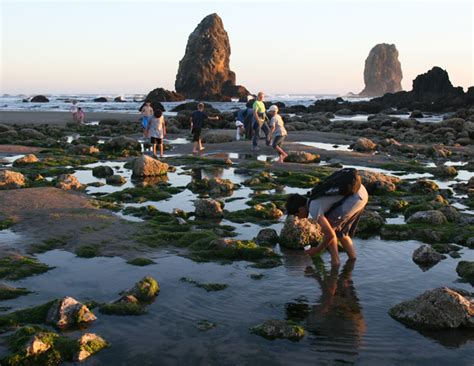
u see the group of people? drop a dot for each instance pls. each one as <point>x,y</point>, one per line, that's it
<point>256,118</point>
<point>77,112</point>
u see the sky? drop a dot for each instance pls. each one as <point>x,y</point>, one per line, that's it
<point>284,47</point>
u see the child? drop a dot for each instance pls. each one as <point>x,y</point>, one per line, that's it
<point>278,132</point>
<point>197,121</point>
<point>240,132</point>
<point>80,115</point>
<point>156,130</point>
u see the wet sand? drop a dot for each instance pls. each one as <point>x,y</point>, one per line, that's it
<point>59,118</point>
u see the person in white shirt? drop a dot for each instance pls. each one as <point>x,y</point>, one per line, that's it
<point>278,132</point>
<point>156,130</point>
<point>73,110</point>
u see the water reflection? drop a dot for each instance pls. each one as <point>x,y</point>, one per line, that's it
<point>337,317</point>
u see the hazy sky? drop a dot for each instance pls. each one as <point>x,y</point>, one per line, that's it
<point>118,47</point>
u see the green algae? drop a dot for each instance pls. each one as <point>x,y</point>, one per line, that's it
<point>16,267</point>
<point>465,270</point>
<point>260,213</point>
<point>445,233</point>
<point>88,251</point>
<point>5,224</point>
<point>142,194</point>
<point>123,309</point>
<point>47,245</point>
<point>7,292</point>
<point>32,315</point>
<point>209,287</point>
<point>141,262</point>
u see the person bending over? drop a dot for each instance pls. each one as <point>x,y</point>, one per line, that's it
<point>337,207</point>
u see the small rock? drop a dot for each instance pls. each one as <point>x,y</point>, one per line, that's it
<point>67,182</point>
<point>416,114</point>
<point>68,312</point>
<point>208,208</point>
<point>446,171</point>
<point>144,290</point>
<point>10,179</point>
<point>465,270</point>
<point>116,180</point>
<point>364,145</point>
<point>274,328</point>
<point>426,255</point>
<point>102,171</point>
<point>432,217</point>
<point>378,182</point>
<point>302,157</point>
<point>90,344</point>
<point>27,159</point>
<point>424,186</point>
<point>36,346</point>
<point>83,149</point>
<point>267,237</point>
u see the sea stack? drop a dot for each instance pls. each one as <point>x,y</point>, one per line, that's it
<point>204,72</point>
<point>383,72</point>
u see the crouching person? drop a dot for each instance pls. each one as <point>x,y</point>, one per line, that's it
<point>337,204</point>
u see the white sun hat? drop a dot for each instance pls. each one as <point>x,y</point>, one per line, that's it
<point>273,108</point>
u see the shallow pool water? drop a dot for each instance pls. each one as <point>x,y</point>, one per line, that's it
<point>326,146</point>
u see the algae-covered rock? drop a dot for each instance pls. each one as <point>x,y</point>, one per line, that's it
<point>123,146</point>
<point>378,182</point>
<point>212,186</point>
<point>208,208</point>
<point>141,262</point>
<point>116,180</point>
<point>146,166</point>
<point>297,233</point>
<point>83,149</point>
<point>8,292</point>
<point>465,270</point>
<point>144,290</point>
<point>31,133</point>
<point>274,328</point>
<point>440,308</point>
<point>267,237</point>
<point>209,287</point>
<point>25,160</point>
<point>68,313</point>
<point>68,182</point>
<point>89,344</point>
<point>10,179</point>
<point>428,217</point>
<point>424,186</point>
<point>302,157</point>
<point>446,171</point>
<point>426,255</point>
<point>102,171</point>
<point>364,145</point>
<point>370,223</point>
<point>451,213</point>
<point>15,267</point>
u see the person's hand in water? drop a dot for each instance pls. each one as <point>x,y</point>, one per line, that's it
<point>312,251</point>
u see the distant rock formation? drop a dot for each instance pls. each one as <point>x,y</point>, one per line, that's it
<point>204,71</point>
<point>434,84</point>
<point>383,72</point>
<point>163,95</point>
<point>39,99</point>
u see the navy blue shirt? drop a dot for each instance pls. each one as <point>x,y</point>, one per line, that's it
<point>198,119</point>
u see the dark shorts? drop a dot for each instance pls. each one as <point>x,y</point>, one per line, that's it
<point>196,134</point>
<point>345,215</point>
<point>278,141</point>
<point>156,140</point>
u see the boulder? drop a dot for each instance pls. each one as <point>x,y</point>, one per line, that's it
<point>438,151</point>
<point>163,95</point>
<point>68,313</point>
<point>297,233</point>
<point>274,328</point>
<point>451,213</point>
<point>426,255</point>
<point>100,100</point>
<point>25,160</point>
<point>416,114</point>
<point>424,186</point>
<point>441,308</point>
<point>364,145</point>
<point>370,223</point>
<point>31,133</point>
<point>382,72</point>
<point>204,72</point>
<point>465,270</point>
<point>446,171</point>
<point>68,181</point>
<point>302,157</point>
<point>145,166</point>
<point>378,182</point>
<point>89,344</point>
<point>102,171</point>
<point>212,186</point>
<point>39,99</point>
<point>431,217</point>
<point>119,99</point>
<point>208,208</point>
<point>10,179</point>
<point>267,237</point>
<point>115,180</point>
<point>36,346</point>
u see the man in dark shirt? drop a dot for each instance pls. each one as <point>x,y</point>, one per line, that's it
<point>197,122</point>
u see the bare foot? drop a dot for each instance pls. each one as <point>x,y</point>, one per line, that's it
<point>202,148</point>
<point>335,263</point>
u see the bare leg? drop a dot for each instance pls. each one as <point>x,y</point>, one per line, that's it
<point>200,145</point>
<point>196,146</point>
<point>281,153</point>
<point>346,242</point>
<point>161,150</point>
<point>154,150</point>
<point>329,239</point>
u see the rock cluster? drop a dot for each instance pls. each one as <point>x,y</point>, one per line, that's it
<point>297,233</point>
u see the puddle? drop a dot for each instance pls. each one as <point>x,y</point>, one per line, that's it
<point>325,146</point>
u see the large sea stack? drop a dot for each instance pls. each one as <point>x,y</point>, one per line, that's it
<point>204,71</point>
<point>383,72</point>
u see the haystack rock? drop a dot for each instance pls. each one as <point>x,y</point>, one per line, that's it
<point>204,72</point>
<point>383,72</point>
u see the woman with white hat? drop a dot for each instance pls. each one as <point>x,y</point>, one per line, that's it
<point>278,132</point>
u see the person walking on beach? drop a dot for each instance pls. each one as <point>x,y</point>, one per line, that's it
<point>73,110</point>
<point>336,204</point>
<point>278,132</point>
<point>147,114</point>
<point>156,130</point>
<point>259,121</point>
<point>197,122</point>
<point>80,115</point>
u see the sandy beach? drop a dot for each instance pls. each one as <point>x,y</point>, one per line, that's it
<point>59,118</point>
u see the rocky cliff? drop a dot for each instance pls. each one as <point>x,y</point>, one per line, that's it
<point>204,72</point>
<point>382,72</point>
